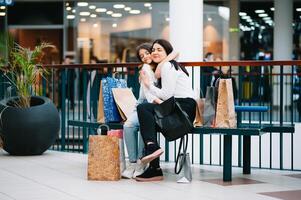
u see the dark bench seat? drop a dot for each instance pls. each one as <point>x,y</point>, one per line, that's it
<point>244,130</point>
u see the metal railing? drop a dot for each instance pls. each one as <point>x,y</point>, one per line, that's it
<point>268,83</point>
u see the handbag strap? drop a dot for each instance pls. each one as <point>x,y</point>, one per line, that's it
<point>99,130</point>
<point>180,163</point>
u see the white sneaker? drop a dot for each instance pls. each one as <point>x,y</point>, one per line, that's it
<point>129,171</point>
<point>139,169</point>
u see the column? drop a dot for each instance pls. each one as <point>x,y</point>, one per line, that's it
<point>234,43</point>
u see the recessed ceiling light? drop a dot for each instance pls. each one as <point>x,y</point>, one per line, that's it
<point>2,7</point>
<point>246,17</point>
<point>67,4</point>
<point>266,18</point>
<point>2,14</point>
<point>73,11</point>
<point>95,25</point>
<point>114,25</point>
<point>116,15</point>
<point>82,4</point>
<point>272,9</point>
<point>84,13</point>
<point>135,12</point>
<point>263,15</point>
<point>92,7</point>
<point>101,10</point>
<point>298,9</point>
<point>127,8</point>
<point>147,5</point>
<point>93,15</point>
<point>68,8</point>
<point>70,16</point>
<point>119,6</point>
<point>109,12</point>
<point>167,19</point>
<point>242,14</point>
<point>249,20</point>
<point>259,11</point>
<point>83,19</point>
<point>209,19</point>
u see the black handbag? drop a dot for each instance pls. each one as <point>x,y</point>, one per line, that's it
<point>173,122</point>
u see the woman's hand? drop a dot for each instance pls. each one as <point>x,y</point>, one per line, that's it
<point>144,79</point>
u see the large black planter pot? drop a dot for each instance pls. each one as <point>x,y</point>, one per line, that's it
<point>29,131</point>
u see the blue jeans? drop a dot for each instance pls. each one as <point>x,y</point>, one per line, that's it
<point>132,138</point>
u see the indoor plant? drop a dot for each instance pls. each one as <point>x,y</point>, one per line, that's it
<point>29,124</point>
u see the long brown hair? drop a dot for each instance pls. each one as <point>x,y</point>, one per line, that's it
<point>147,47</point>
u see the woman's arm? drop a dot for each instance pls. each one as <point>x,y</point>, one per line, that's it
<point>173,55</point>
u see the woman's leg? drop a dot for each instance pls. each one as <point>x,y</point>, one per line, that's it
<point>130,129</point>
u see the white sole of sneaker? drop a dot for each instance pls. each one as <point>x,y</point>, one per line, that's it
<point>156,178</point>
<point>151,157</point>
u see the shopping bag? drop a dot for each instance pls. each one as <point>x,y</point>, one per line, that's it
<point>100,111</point>
<point>185,175</point>
<point>209,107</point>
<point>199,114</point>
<point>110,109</point>
<point>225,111</point>
<point>103,158</point>
<point>119,134</point>
<point>125,101</point>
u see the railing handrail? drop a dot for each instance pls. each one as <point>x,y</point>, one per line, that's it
<point>244,63</point>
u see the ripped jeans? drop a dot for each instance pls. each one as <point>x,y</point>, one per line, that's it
<point>132,138</point>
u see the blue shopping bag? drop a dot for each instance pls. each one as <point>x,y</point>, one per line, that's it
<point>111,113</point>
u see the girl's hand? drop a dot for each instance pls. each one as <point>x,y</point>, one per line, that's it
<point>144,79</point>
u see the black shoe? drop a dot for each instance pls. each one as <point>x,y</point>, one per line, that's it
<point>152,151</point>
<point>151,174</point>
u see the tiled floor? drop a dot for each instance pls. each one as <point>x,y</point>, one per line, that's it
<point>62,176</point>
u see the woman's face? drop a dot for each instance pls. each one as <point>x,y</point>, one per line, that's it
<point>145,56</point>
<point>158,53</point>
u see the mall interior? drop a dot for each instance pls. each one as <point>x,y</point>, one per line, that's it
<point>258,42</point>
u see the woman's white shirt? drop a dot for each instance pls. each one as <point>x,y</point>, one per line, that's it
<point>144,92</point>
<point>174,83</point>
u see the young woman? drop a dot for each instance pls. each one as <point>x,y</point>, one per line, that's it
<point>174,82</point>
<point>131,126</point>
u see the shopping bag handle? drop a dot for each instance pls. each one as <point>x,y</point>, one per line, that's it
<point>99,131</point>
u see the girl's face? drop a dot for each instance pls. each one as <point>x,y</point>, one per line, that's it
<point>145,56</point>
<point>158,53</point>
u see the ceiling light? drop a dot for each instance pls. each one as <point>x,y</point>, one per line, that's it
<point>150,8</point>
<point>95,25</point>
<point>109,12</point>
<point>167,19</point>
<point>263,15</point>
<point>83,19</point>
<point>70,16</point>
<point>67,4</point>
<point>82,4</point>
<point>298,9</point>
<point>119,6</point>
<point>2,7</point>
<point>259,11</point>
<point>2,14</point>
<point>116,15</point>
<point>84,13</point>
<point>92,7</point>
<point>147,5</point>
<point>249,20</point>
<point>135,12</point>
<point>209,19</point>
<point>68,8</point>
<point>246,17</point>
<point>242,14</point>
<point>127,8</point>
<point>114,25</point>
<point>101,10</point>
<point>272,9</point>
<point>93,15</point>
<point>262,27</point>
<point>266,18</point>
<point>73,11</point>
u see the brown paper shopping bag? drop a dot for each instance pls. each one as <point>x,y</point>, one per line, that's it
<point>125,101</point>
<point>103,158</point>
<point>100,112</point>
<point>225,111</point>
<point>199,115</point>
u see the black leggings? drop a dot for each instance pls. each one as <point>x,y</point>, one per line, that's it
<point>148,127</point>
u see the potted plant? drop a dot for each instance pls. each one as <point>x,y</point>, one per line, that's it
<point>29,124</point>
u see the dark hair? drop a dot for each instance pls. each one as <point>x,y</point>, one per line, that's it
<point>146,46</point>
<point>168,49</point>
<point>208,54</point>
